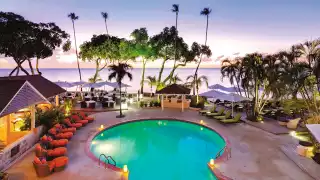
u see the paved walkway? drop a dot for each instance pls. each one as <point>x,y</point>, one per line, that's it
<point>256,154</point>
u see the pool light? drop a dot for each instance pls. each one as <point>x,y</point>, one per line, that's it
<point>93,142</point>
<point>125,169</point>
<point>211,163</point>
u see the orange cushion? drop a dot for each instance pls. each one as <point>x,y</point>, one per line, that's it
<point>49,138</point>
<point>53,131</point>
<point>61,161</point>
<point>38,147</point>
<point>57,126</point>
<point>37,160</point>
<point>44,138</point>
<point>89,118</point>
<point>82,121</point>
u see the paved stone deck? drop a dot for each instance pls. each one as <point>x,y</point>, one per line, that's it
<point>256,154</point>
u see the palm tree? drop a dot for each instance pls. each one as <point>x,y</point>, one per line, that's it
<point>176,79</point>
<point>105,17</point>
<point>118,72</point>
<point>232,70</point>
<point>311,51</point>
<point>151,81</point>
<point>175,9</point>
<point>73,18</point>
<point>191,82</point>
<point>205,12</point>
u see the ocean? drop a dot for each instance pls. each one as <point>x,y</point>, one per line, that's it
<point>71,75</point>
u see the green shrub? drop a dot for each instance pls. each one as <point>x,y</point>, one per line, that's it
<point>141,104</point>
<point>194,103</point>
<point>151,103</point>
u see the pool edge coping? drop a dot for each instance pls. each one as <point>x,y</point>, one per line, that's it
<point>224,157</point>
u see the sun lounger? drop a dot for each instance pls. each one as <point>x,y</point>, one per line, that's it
<point>219,113</point>
<point>226,116</point>
<point>212,110</point>
<point>236,119</point>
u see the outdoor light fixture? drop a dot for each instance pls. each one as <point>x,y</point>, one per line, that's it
<point>293,133</point>
<point>201,121</point>
<point>125,169</point>
<point>101,127</point>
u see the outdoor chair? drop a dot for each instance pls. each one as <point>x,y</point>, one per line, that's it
<point>83,104</point>
<point>43,169</point>
<point>226,116</point>
<point>92,104</point>
<point>236,119</point>
<point>219,113</point>
<point>212,110</point>
<point>84,116</point>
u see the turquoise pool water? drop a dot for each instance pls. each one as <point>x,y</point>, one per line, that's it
<point>160,149</point>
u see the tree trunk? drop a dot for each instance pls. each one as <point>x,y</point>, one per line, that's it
<point>22,69</point>
<point>175,48</point>
<point>17,72</point>
<point>105,21</point>
<point>37,66</point>
<point>75,43</point>
<point>120,100</point>
<point>31,67</point>
<point>160,72</point>
<point>142,76</point>
<point>15,69</point>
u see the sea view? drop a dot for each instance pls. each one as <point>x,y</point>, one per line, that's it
<point>72,75</point>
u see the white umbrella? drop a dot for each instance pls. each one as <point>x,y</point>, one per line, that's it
<point>227,89</point>
<point>212,94</point>
<point>79,83</point>
<point>64,84</point>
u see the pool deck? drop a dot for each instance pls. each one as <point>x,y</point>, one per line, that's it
<point>256,154</point>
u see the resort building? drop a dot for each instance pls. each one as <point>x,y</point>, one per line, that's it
<point>20,96</point>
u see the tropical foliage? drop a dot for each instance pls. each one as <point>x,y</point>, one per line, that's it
<point>280,76</point>
<point>118,72</point>
<point>24,40</point>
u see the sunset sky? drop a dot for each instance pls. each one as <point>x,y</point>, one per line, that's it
<point>235,26</point>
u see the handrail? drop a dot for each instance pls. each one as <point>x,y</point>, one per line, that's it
<point>107,160</point>
<point>227,150</point>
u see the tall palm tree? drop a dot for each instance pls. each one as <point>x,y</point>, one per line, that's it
<point>118,72</point>
<point>175,9</point>
<point>205,12</point>
<point>191,82</point>
<point>152,81</point>
<point>73,18</point>
<point>105,17</point>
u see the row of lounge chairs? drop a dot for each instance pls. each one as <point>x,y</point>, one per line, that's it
<point>51,151</point>
<point>221,115</point>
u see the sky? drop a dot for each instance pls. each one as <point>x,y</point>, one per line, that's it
<point>235,26</point>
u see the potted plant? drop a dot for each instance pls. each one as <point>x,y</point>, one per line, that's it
<point>141,104</point>
<point>152,103</point>
<point>4,176</point>
<point>146,104</point>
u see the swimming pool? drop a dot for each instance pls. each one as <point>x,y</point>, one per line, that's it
<point>160,149</point>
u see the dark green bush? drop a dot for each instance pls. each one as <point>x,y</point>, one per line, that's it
<point>141,104</point>
<point>194,103</point>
